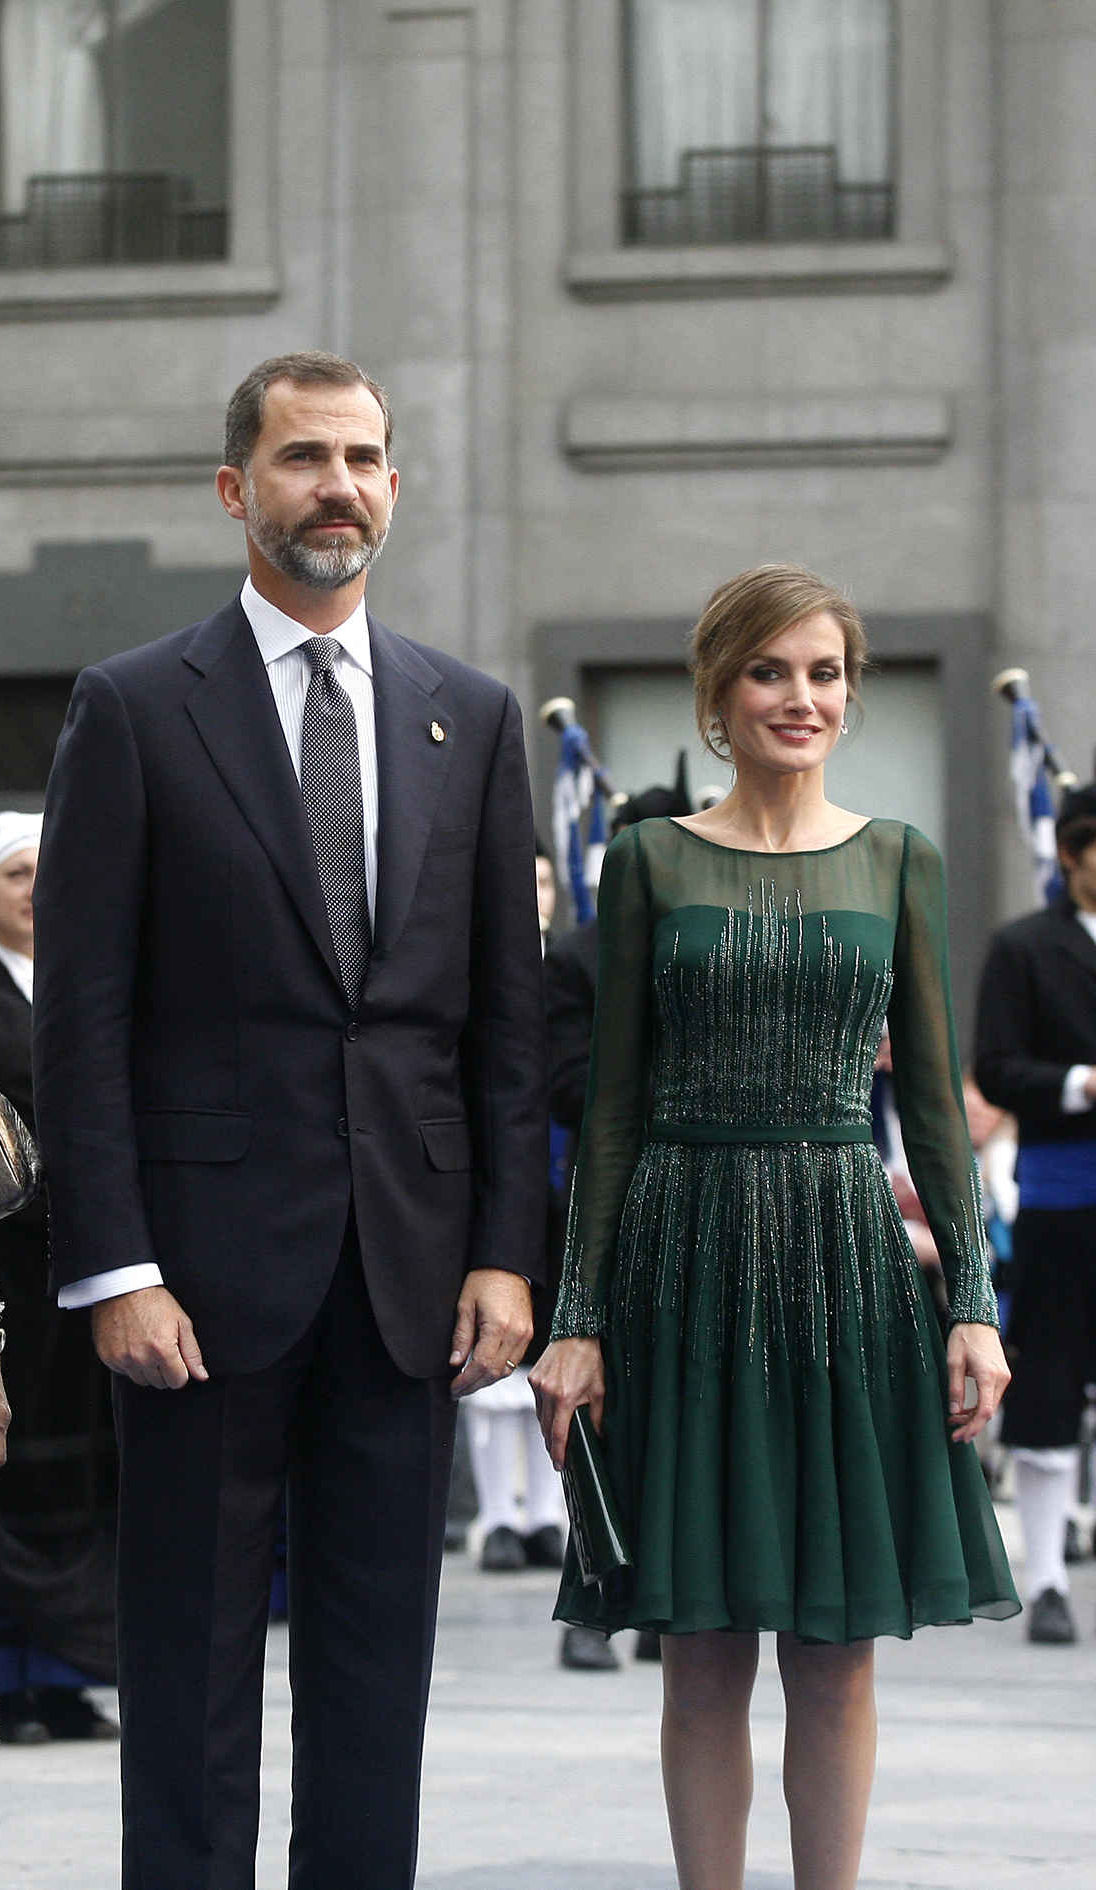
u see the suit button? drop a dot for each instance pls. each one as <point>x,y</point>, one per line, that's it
<point>342,1127</point>
<point>352,1032</point>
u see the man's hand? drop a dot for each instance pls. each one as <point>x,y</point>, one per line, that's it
<point>974,1352</point>
<point>494,1326</point>
<point>5,1420</point>
<point>147,1336</point>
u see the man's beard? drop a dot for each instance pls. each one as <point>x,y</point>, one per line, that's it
<point>321,567</point>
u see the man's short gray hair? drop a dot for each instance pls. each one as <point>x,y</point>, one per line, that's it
<point>310,367</point>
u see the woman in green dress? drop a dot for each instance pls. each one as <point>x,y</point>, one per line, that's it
<point>787,1429</point>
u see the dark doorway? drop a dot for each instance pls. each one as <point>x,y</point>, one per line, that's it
<point>32,710</point>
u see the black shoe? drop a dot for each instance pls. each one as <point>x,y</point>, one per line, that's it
<point>1051,1619</point>
<point>20,1722</point>
<point>502,1551</point>
<point>69,1714</point>
<point>648,1644</point>
<point>587,1648</point>
<point>544,1548</point>
<point>456,1538</point>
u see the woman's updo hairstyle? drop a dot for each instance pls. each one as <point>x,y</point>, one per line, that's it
<point>746,613</point>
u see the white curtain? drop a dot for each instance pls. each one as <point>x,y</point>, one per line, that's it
<point>696,80</point>
<point>52,114</point>
<point>828,65</point>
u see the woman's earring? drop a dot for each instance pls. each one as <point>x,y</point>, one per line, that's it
<point>844,728</point>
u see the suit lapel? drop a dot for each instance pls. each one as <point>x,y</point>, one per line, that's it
<point>412,764</point>
<point>233,709</point>
<point>1076,939</point>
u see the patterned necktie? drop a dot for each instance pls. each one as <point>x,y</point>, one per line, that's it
<point>331,783</point>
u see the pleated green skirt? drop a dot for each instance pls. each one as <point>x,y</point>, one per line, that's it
<point>776,1409</point>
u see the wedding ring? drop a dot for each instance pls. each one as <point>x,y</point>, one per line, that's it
<point>511,1365</point>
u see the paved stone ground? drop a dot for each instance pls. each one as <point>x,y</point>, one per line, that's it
<point>537,1779</point>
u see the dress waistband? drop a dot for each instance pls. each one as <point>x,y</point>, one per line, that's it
<point>702,1133</point>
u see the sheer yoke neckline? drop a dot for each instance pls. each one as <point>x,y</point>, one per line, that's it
<point>782,853</point>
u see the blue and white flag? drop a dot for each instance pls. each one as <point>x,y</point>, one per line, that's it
<point>1034,797</point>
<point>578,789</point>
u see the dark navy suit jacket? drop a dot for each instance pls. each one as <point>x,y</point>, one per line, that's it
<point>205,1098</point>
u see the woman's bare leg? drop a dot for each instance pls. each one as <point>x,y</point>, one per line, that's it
<point>829,1757</point>
<point>707,1766</point>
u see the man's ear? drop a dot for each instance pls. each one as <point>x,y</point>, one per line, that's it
<point>230,490</point>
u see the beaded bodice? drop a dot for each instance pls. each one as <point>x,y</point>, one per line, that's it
<point>766,1015</point>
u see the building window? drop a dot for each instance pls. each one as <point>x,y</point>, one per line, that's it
<point>114,132</point>
<point>759,121</point>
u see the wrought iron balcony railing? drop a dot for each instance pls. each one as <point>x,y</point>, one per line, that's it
<point>111,217</point>
<point>758,194</point>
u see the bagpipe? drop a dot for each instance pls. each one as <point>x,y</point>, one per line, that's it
<point>1038,774</point>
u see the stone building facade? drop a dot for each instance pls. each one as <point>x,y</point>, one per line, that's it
<point>609,393</point>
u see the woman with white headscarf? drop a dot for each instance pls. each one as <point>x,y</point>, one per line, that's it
<point>56,1493</point>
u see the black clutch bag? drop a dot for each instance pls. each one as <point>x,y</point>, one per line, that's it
<point>20,1169</point>
<point>597,1533</point>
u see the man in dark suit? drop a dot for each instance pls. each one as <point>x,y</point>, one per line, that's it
<point>1036,1056</point>
<point>289,1072</point>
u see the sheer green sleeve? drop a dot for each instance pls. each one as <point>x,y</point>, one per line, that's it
<point>928,1086</point>
<point>614,1119</point>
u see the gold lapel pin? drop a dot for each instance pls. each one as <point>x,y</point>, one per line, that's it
<point>437,731</point>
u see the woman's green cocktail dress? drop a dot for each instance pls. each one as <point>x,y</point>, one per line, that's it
<point>776,1386</point>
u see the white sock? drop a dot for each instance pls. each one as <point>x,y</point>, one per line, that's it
<point>1046,1490</point>
<point>493,1447</point>
<point>543,1490</point>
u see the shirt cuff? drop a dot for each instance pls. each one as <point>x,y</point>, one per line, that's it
<point>1074,1100</point>
<point>97,1286</point>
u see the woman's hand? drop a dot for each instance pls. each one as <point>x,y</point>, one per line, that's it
<point>568,1374</point>
<point>974,1352</point>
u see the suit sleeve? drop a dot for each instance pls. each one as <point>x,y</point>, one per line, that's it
<point>502,1048</point>
<point>1008,1071</point>
<point>88,902</point>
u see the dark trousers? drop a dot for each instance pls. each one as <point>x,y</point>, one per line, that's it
<point>366,1452</point>
<point>1051,1338</point>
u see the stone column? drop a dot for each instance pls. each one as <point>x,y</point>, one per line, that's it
<point>1046,502</point>
<point>431,309</point>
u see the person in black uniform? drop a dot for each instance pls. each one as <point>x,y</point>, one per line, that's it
<point>57,1499</point>
<point>570,982</point>
<point>1036,1056</point>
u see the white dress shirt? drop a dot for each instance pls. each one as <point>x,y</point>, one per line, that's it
<point>288,672</point>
